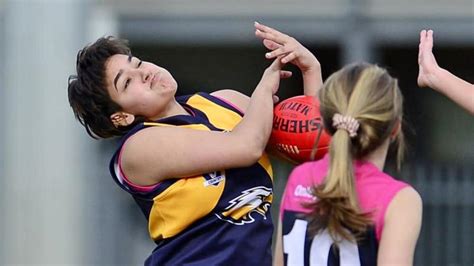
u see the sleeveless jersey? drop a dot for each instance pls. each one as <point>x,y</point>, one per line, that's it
<point>217,218</point>
<point>375,190</point>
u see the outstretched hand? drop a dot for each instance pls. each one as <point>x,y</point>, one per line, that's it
<point>432,75</point>
<point>286,47</point>
<point>288,50</point>
<point>272,75</point>
<point>426,60</point>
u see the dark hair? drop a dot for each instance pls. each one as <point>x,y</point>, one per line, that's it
<point>371,96</point>
<point>87,91</point>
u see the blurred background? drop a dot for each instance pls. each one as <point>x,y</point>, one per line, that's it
<point>58,204</point>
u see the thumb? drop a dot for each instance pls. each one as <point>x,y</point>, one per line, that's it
<point>276,99</point>
<point>276,64</point>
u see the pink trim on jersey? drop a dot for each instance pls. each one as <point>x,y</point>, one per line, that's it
<point>189,110</point>
<point>375,189</point>
<point>229,103</point>
<point>126,180</point>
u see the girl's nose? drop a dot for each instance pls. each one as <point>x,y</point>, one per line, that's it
<point>146,76</point>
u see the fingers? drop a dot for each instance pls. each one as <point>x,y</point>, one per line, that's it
<point>422,36</point>
<point>276,64</point>
<point>269,33</point>
<point>276,37</point>
<point>275,99</point>
<point>274,40</point>
<point>284,74</point>
<point>429,40</point>
<point>280,44</point>
<point>262,27</point>
<point>271,45</point>
<point>267,29</point>
<point>276,53</point>
<point>422,42</point>
<point>426,39</point>
<point>290,57</point>
<point>287,54</point>
<point>421,45</point>
<point>426,60</point>
<point>283,54</point>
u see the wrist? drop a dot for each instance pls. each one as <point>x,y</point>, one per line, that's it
<point>436,78</point>
<point>313,68</point>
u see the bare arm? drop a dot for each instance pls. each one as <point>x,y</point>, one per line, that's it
<point>401,229</point>
<point>238,99</point>
<point>157,153</point>
<point>241,100</point>
<point>433,76</point>
<point>278,253</point>
<point>293,52</point>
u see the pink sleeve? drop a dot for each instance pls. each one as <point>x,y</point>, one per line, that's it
<point>229,103</point>
<point>297,190</point>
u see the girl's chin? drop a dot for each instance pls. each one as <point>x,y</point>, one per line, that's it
<point>169,87</point>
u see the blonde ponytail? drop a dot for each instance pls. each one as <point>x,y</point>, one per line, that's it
<point>337,205</point>
<point>368,96</point>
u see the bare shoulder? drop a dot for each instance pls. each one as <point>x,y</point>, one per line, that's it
<point>401,229</point>
<point>236,98</point>
<point>408,197</point>
<point>138,150</point>
<point>405,208</point>
<point>141,140</point>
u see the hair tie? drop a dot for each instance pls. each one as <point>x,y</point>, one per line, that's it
<point>347,123</point>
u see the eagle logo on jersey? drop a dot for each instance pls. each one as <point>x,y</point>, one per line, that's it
<point>256,200</point>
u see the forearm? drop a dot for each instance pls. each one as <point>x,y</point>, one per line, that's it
<point>312,81</point>
<point>256,126</point>
<point>455,88</point>
<point>278,252</point>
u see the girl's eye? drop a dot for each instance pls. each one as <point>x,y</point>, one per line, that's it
<point>139,64</point>
<point>126,83</point>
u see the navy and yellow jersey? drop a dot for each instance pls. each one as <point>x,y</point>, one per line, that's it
<point>216,218</point>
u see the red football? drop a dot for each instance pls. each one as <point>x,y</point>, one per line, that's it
<point>298,133</point>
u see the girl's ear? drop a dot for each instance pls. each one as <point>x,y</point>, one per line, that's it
<point>395,130</point>
<point>122,119</point>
